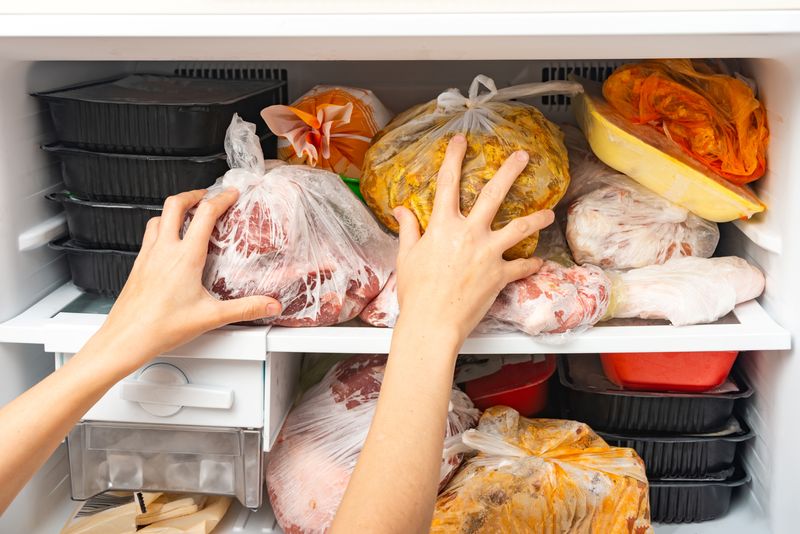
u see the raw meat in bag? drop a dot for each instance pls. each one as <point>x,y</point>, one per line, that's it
<point>686,290</point>
<point>543,476</point>
<point>616,223</point>
<point>311,462</point>
<point>329,128</point>
<point>296,234</point>
<point>401,166</point>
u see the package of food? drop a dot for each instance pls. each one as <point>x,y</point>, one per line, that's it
<point>329,128</point>
<point>401,166</point>
<point>714,118</point>
<point>543,475</point>
<point>296,234</point>
<point>685,290</point>
<point>311,462</point>
<point>616,223</point>
<point>557,299</point>
<point>650,158</point>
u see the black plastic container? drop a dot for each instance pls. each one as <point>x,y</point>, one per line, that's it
<point>152,114</point>
<point>684,456</point>
<point>606,407</point>
<point>103,272</point>
<point>105,225</point>
<point>692,501</point>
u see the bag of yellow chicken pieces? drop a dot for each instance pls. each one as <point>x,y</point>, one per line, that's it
<point>400,167</point>
<point>543,476</point>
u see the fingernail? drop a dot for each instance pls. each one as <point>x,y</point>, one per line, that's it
<point>459,138</point>
<point>273,308</point>
<point>521,155</point>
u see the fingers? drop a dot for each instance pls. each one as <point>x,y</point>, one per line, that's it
<point>494,192</point>
<point>207,214</point>
<point>175,208</point>
<point>448,181</point>
<point>521,227</point>
<point>247,309</point>
<point>409,230</point>
<point>522,268</point>
<point>150,234</point>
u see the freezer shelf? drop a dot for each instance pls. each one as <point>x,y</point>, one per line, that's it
<point>64,320</point>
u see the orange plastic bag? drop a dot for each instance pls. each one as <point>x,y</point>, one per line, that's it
<point>713,117</point>
<point>543,476</point>
<point>328,127</point>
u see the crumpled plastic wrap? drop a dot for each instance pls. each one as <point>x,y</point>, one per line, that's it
<point>296,234</point>
<point>401,166</point>
<point>685,290</point>
<point>714,118</point>
<point>616,223</point>
<point>543,476</point>
<point>311,462</point>
<point>329,127</point>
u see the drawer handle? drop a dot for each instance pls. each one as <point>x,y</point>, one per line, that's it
<point>162,390</point>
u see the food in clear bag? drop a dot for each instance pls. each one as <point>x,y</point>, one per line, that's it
<point>401,166</point>
<point>713,117</point>
<point>543,476</point>
<point>685,290</point>
<point>329,127</point>
<point>615,223</point>
<point>296,234</point>
<point>311,462</point>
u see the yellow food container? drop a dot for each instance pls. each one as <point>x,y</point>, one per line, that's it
<point>648,157</point>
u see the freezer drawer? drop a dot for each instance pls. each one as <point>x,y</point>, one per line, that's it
<point>187,391</point>
<point>222,461</point>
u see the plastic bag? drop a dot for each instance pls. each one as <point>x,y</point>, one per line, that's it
<point>714,118</point>
<point>615,223</point>
<point>296,234</point>
<point>543,476</point>
<point>311,462</point>
<point>685,290</point>
<point>401,166</point>
<point>329,127</point>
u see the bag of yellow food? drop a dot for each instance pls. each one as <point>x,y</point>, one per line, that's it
<point>329,128</point>
<point>400,167</point>
<point>715,118</point>
<point>543,476</point>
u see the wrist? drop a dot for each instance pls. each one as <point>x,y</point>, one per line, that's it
<point>440,337</point>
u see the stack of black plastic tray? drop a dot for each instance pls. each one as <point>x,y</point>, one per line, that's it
<point>688,441</point>
<point>125,145</point>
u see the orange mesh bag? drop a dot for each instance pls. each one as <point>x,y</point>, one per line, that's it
<point>328,127</point>
<point>543,476</point>
<point>714,118</point>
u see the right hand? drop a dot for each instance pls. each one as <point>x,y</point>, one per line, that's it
<point>449,277</point>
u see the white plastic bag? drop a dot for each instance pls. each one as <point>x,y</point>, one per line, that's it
<point>296,234</point>
<point>615,223</point>
<point>686,290</point>
<point>311,462</point>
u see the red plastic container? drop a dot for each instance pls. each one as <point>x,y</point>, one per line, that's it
<point>522,386</point>
<point>668,371</point>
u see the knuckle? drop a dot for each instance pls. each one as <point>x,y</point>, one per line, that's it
<point>249,312</point>
<point>521,226</point>
<point>173,203</point>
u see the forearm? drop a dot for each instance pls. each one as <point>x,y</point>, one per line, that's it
<point>38,420</point>
<point>398,469</point>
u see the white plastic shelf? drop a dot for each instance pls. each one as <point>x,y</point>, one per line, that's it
<point>62,324</point>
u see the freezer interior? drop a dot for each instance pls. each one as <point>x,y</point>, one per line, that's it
<point>29,271</point>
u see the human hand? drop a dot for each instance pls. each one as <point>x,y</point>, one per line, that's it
<point>451,275</point>
<point>164,304</point>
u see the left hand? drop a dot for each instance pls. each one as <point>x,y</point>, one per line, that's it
<point>164,304</point>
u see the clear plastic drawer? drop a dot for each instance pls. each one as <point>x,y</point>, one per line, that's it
<point>221,461</point>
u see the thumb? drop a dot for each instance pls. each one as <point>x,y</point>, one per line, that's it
<point>409,230</point>
<point>248,309</point>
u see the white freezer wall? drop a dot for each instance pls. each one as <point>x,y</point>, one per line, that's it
<point>500,46</point>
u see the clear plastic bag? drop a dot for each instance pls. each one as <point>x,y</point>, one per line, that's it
<point>401,166</point>
<point>615,223</point>
<point>686,290</point>
<point>296,234</point>
<point>311,462</point>
<point>543,476</point>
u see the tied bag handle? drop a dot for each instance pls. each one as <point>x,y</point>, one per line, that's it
<point>452,99</point>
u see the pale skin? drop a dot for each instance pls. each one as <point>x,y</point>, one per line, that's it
<point>447,280</point>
